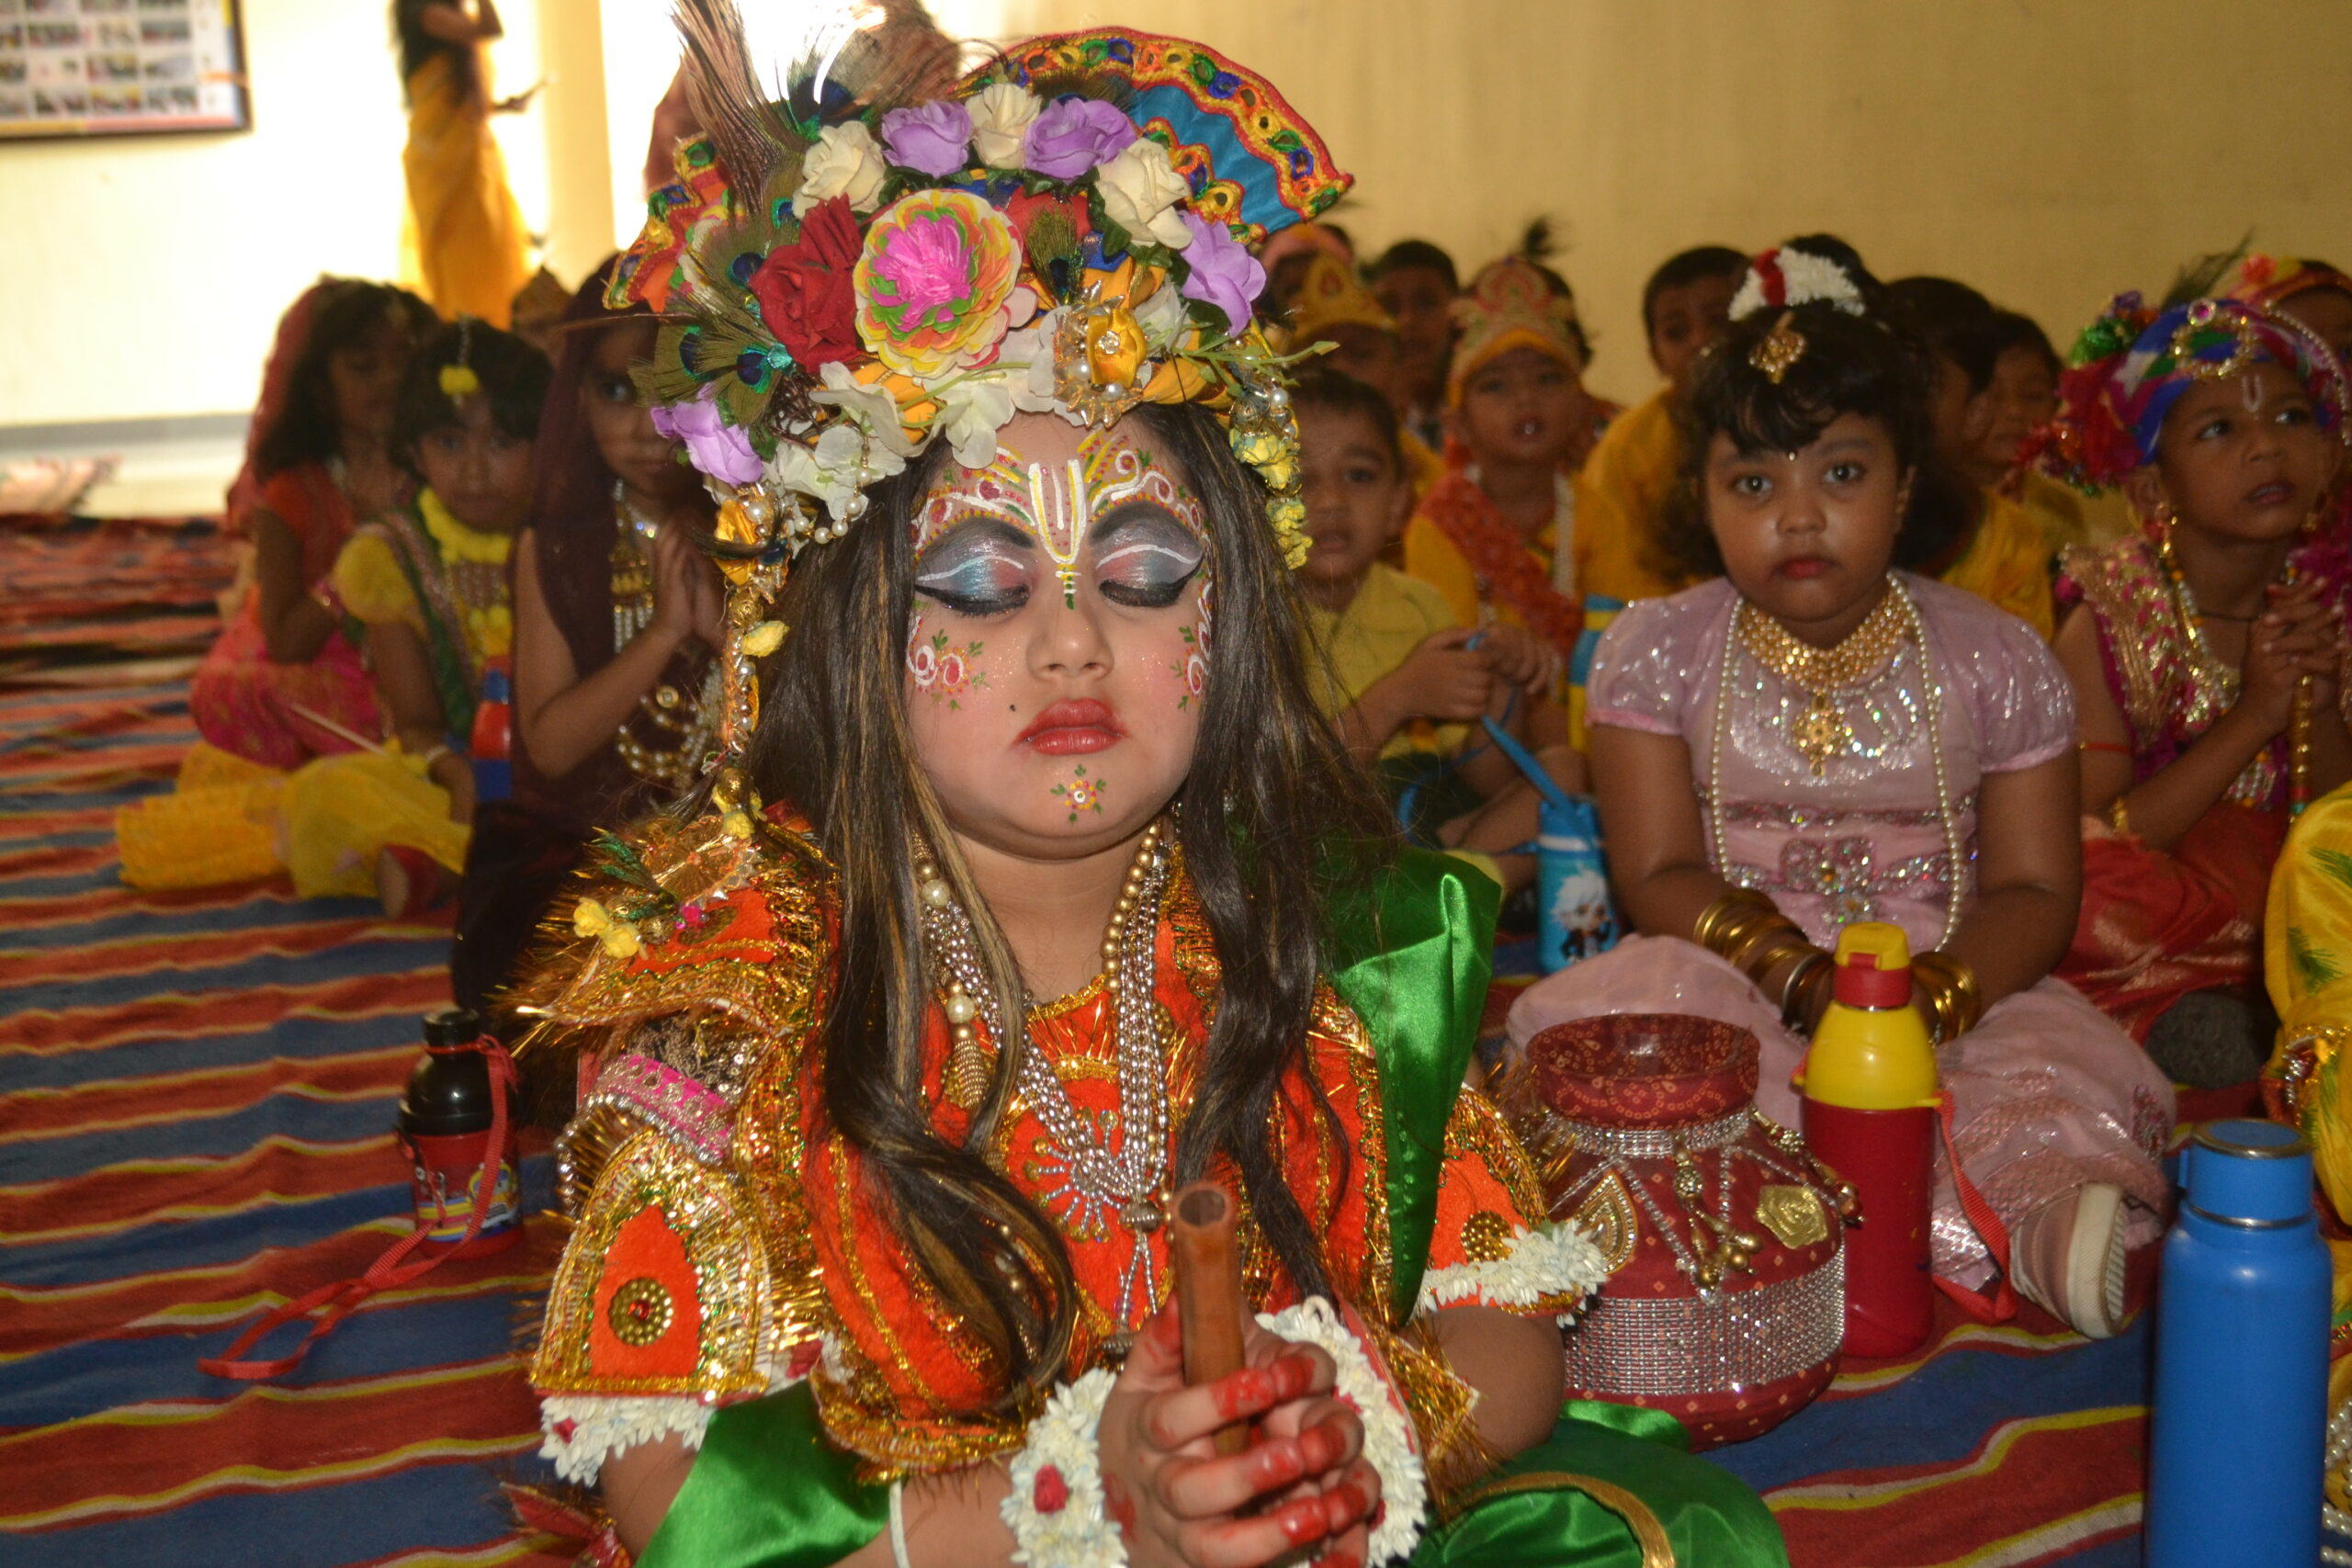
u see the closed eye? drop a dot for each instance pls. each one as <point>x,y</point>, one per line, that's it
<point>1145,560</point>
<point>980,567</point>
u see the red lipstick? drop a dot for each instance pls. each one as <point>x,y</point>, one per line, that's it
<point>1804,568</point>
<point>1076,725</point>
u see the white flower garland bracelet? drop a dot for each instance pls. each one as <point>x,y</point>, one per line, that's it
<point>1055,1506</point>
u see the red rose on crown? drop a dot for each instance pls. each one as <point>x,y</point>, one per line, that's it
<point>806,293</point>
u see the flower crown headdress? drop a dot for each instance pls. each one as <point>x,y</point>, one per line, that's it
<point>1782,279</point>
<point>846,279</point>
<point>2133,362</point>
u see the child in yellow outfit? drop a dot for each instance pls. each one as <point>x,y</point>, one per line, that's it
<point>2003,556</point>
<point>1495,537</point>
<point>1334,307</point>
<point>1404,680</point>
<point>1622,489</point>
<point>427,586</point>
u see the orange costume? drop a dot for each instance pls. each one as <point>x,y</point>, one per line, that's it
<point>728,1244</point>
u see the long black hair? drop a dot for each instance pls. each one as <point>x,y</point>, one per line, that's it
<point>417,46</point>
<point>1859,365</point>
<point>307,427</point>
<point>1269,793</point>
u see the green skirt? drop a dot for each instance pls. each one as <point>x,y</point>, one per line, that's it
<point>1611,1488</point>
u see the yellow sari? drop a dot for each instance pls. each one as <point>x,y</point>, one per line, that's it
<point>471,248</point>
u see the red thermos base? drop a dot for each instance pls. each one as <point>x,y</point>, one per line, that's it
<point>1890,1156</point>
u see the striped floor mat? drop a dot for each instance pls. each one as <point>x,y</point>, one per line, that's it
<point>196,1105</point>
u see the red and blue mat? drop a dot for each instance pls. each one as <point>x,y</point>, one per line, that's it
<point>197,1094</point>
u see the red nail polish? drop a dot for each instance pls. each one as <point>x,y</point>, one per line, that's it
<point>1302,1522</point>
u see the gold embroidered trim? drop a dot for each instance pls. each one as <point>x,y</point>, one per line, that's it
<point>1649,1534</point>
<point>705,1210</point>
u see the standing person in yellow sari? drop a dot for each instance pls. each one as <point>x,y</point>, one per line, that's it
<point>471,248</point>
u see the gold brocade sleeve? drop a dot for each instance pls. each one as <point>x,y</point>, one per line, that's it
<point>682,1287</point>
<point>1491,1244</point>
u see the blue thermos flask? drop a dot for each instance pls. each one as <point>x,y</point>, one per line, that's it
<point>2240,1404</point>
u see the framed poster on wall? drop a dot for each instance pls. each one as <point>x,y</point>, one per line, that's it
<point>120,67</point>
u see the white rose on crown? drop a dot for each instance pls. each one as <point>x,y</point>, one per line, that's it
<point>1000,119</point>
<point>845,162</point>
<point>1140,188</point>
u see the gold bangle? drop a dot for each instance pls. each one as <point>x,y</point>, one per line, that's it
<point>1773,950</point>
<point>1756,946</point>
<point>1952,989</point>
<point>1793,988</point>
<point>1737,902</point>
<point>2119,817</point>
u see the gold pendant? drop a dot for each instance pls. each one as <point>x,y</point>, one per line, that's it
<point>968,1074</point>
<point>1820,733</point>
<point>1607,1216</point>
<point>1793,1213</point>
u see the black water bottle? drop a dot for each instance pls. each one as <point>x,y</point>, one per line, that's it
<point>446,1120</point>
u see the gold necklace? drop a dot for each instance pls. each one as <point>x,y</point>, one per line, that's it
<point>1822,731</point>
<point>632,569</point>
<point>1932,701</point>
<point>2214,687</point>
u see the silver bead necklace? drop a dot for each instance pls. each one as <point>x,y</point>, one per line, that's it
<point>1087,1183</point>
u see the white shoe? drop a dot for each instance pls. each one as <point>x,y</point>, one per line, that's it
<point>2068,1259</point>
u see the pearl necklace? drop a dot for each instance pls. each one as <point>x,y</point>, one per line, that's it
<point>1909,629</point>
<point>1095,1184</point>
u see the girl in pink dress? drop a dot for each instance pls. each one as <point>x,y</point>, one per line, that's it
<point>1863,743</point>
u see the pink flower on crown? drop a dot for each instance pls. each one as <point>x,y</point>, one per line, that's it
<point>934,282</point>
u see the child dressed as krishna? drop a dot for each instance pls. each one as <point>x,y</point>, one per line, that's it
<point>870,1262</point>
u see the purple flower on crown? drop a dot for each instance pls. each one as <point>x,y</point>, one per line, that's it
<point>716,447</point>
<point>933,139</point>
<point>1221,272</point>
<point>1073,136</point>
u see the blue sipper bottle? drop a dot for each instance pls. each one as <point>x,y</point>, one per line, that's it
<point>2240,1406</point>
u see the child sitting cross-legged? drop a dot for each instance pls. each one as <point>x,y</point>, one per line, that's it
<point>1824,736</point>
<point>1404,680</point>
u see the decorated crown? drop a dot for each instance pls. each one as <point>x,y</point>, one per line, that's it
<point>861,269</point>
<point>1510,304</point>
<point>1065,229</point>
<point>2133,362</point>
<point>1331,295</point>
<point>2267,282</point>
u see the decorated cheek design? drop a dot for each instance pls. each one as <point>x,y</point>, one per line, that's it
<point>1195,667</point>
<point>941,673</point>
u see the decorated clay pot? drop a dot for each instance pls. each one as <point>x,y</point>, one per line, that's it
<point>1727,1299</point>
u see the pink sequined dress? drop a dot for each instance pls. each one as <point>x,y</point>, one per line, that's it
<point>2048,1093</point>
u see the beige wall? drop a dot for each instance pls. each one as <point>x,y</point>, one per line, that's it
<point>146,274</point>
<point>2048,151</point>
